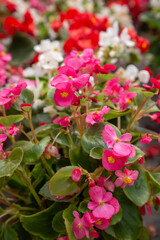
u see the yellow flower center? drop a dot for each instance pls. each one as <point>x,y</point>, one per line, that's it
<point>64,94</point>
<point>150,203</point>
<point>3,54</point>
<point>11,86</point>
<point>101,203</point>
<point>95,112</point>
<point>93,19</point>
<point>144,45</point>
<point>117,140</point>
<point>129,101</point>
<point>127,180</point>
<point>79,225</point>
<point>47,156</point>
<point>99,222</point>
<point>55,49</point>
<point>111,160</point>
<point>70,77</point>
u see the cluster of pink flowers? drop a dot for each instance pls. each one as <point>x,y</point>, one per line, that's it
<point>75,76</point>
<point>103,207</point>
<point>11,94</point>
<point>117,94</point>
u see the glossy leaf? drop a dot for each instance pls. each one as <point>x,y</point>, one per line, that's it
<point>129,228</point>
<point>8,166</point>
<point>79,157</point>
<point>9,120</point>
<point>61,184</point>
<point>21,48</point>
<point>32,152</point>
<point>97,152</point>
<point>40,224</point>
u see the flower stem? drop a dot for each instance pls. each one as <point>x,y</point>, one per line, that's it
<point>136,115</point>
<point>156,170</point>
<point>32,128</point>
<point>47,167</point>
<point>27,181</point>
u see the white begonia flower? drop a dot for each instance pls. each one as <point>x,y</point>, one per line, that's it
<point>155,3</point>
<point>49,60</point>
<point>125,38</point>
<point>110,37</point>
<point>29,72</point>
<point>131,72</point>
<point>78,4</point>
<point>21,8</point>
<point>144,76</point>
<point>48,46</point>
<point>36,90</point>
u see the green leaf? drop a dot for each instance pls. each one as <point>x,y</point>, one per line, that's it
<point>148,94</point>
<point>62,138</point>
<point>9,120</point>
<point>58,222</point>
<point>155,180</point>
<point>22,234</point>
<point>151,18</point>
<point>129,227</point>
<point>79,157</point>
<point>8,166</point>
<point>69,218</point>
<point>26,96</point>
<point>44,191</point>
<point>97,152</point>
<point>93,136</point>
<point>61,184</point>
<point>139,154</point>
<point>105,77</point>
<point>40,224</point>
<point>144,234</point>
<point>2,181</point>
<point>83,206</point>
<point>114,114</point>
<point>116,218</point>
<point>32,152</point>
<point>47,128</point>
<point>10,234</point>
<point>140,192</point>
<point>21,49</point>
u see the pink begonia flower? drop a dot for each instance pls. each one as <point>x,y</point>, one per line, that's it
<point>111,162</point>
<point>97,116</point>
<point>155,117</point>
<point>3,77</point>
<point>2,128</point>
<point>80,225</point>
<point>94,233</point>
<point>100,204</point>
<point>13,130</point>
<point>56,120</point>
<point>159,138</point>
<point>78,82</point>
<point>125,99</point>
<point>100,223</point>
<point>113,89</point>
<point>146,139</point>
<point>64,122</point>
<point>127,177</point>
<point>64,96</point>
<point>76,175</point>
<point>4,57</point>
<point>3,138</point>
<point>120,148</point>
<point>106,182</point>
